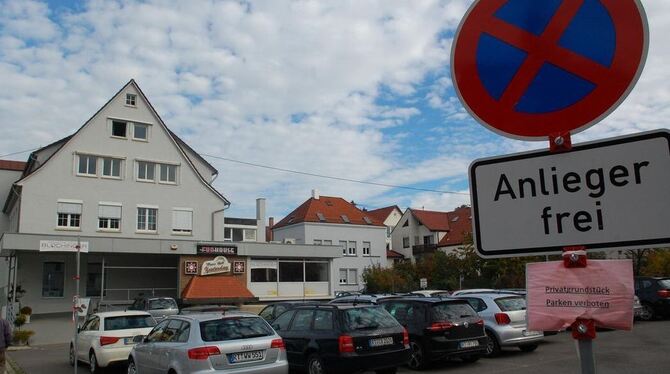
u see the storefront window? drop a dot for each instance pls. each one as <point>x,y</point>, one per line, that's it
<point>263,275</point>
<point>53,279</point>
<point>291,272</point>
<point>316,272</point>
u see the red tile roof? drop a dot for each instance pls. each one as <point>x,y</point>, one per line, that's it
<point>332,209</point>
<point>215,287</point>
<point>434,221</point>
<point>12,165</point>
<point>393,254</point>
<point>460,221</point>
<point>382,214</point>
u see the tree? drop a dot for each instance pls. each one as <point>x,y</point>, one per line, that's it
<point>658,263</point>
<point>639,257</point>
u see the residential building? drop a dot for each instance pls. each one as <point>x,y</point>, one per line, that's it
<point>333,221</point>
<point>390,216</point>
<point>421,232</point>
<point>10,172</point>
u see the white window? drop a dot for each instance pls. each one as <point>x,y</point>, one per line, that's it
<point>131,99</point>
<point>146,219</point>
<point>111,167</point>
<point>109,217</point>
<point>318,242</point>
<point>349,276</point>
<point>352,249</point>
<point>343,244</point>
<point>119,129</point>
<point>140,131</point>
<point>146,171</point>
<point>69,215</point>
<point>168,173</point>
<point>182,221</point>
<point>87,165</point>
<point>366,248</point>
<point>327,242</point>
<point>249,235</point>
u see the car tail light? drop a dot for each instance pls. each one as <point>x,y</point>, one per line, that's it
<point>277,343</point>
<point>405,338</point>
<point>440,326</point>
<point>664,293</point>
<point>346,344</point>
<point>202,353</point>
<point>107,340</point>
<point>502,318</point>
<point>480,322</point>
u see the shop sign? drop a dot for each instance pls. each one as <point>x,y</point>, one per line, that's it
<point>62,246</point>
<point>191,267</point>
<point>206,249</point>
<point>218,265</point>
<point>238,267</point>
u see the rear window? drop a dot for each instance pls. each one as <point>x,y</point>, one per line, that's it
<point>664,283</point>
<point>234,328</point>
<point>452,311</point>
<point>511,304</point>
<point>368,318</point>
<point>128,322</point>
<point>162,304</point>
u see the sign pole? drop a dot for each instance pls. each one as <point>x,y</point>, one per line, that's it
<point>75,314</point>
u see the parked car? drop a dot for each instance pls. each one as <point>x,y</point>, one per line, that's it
<point>439,329</point>
<point>654,294</point>
<point>504,321</point>
<point>106,338</point>
<point>637,308</point>
<point>343,338</point>
<point>272,311</point>
<point>472,290</point>
<point>210,343</point>
<point>361,299</point>
<point>431,293</point>
<point>159,307</point>
<point>210,308</point>
<point>347,293</point>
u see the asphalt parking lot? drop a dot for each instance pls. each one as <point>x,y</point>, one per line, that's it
<point>643,350</point>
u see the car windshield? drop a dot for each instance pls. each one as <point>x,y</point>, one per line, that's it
<point>452,311</point>
<point>368,318</point>
<point>234,328</point>
<point>162,304</point>
<point>128,322</point>
<point>511,304</point>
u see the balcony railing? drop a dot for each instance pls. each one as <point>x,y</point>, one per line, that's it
<point>419,250</point>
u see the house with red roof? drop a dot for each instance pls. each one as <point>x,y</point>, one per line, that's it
<point>336,222</point>
<point>421,232</point>
<point>390,216</point>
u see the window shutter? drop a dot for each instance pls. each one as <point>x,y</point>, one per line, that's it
<point>109,211</point>
<point>182,220</point>
<point>69,208</point>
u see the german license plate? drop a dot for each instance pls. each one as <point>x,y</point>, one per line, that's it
<point>468,344</point>
<point>380,342</point>
<point>128,341</point>
<point>531,333</point>
<point>246,356</point>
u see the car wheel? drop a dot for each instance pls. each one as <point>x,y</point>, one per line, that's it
<point>470,359</point>
<point>73,360</point>
<point>132,367</point>
<point>528,347</point>
<point>315,365</point>
<point>387,371</point>
<point>647,313</point>
<point>492,345</point>
<point>93,366</point>
<point>417,360</point>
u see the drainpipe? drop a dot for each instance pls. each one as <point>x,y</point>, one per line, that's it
<point>214,213</point>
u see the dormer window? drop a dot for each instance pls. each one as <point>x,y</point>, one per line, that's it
<point>119,129</point>
<point>131,99</point>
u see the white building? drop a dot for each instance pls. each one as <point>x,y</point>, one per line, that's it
<point>390,216</point>
<point>334,222</point>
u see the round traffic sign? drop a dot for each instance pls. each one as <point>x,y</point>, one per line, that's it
<point>528,69</point>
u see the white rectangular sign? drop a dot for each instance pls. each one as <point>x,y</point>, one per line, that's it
<point>62,246</point>
<point>613,193</point>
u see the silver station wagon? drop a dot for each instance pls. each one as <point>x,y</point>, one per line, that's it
<point>237,342</point>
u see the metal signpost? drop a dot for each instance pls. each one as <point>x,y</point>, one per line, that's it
<point>526,70</point>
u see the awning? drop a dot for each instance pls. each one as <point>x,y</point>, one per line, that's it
<point>216,289</point>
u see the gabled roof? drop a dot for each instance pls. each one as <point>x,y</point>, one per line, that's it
<point>12,165</point>
<point>434,221</point>
<point>460,221</point>
<point>382,214</point>
<point>327,209</point>
<point>393,254</point>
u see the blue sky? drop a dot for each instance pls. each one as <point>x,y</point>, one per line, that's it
<point>353,89</point>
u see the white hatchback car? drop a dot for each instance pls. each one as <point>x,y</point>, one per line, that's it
<point>107,338</point>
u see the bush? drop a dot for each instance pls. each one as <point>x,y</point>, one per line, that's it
<point>26,310</point>
<point>22,336</point>
<point>19,321</point>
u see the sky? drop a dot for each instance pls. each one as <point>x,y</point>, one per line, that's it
<point>357,89</point>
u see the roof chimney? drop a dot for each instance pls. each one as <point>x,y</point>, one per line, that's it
<point>315,194</point>
<point>269,235</point>
<point>260,220</point>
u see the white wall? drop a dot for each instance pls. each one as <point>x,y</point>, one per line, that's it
<point>391,221</point>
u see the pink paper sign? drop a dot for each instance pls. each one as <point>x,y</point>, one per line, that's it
<point>602,291</point>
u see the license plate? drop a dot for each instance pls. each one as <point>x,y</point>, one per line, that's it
<point>531,333</point>
<point>469,344</point>
<point>380,342</point>
<point>246,356</point>
<point>128,341</point>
